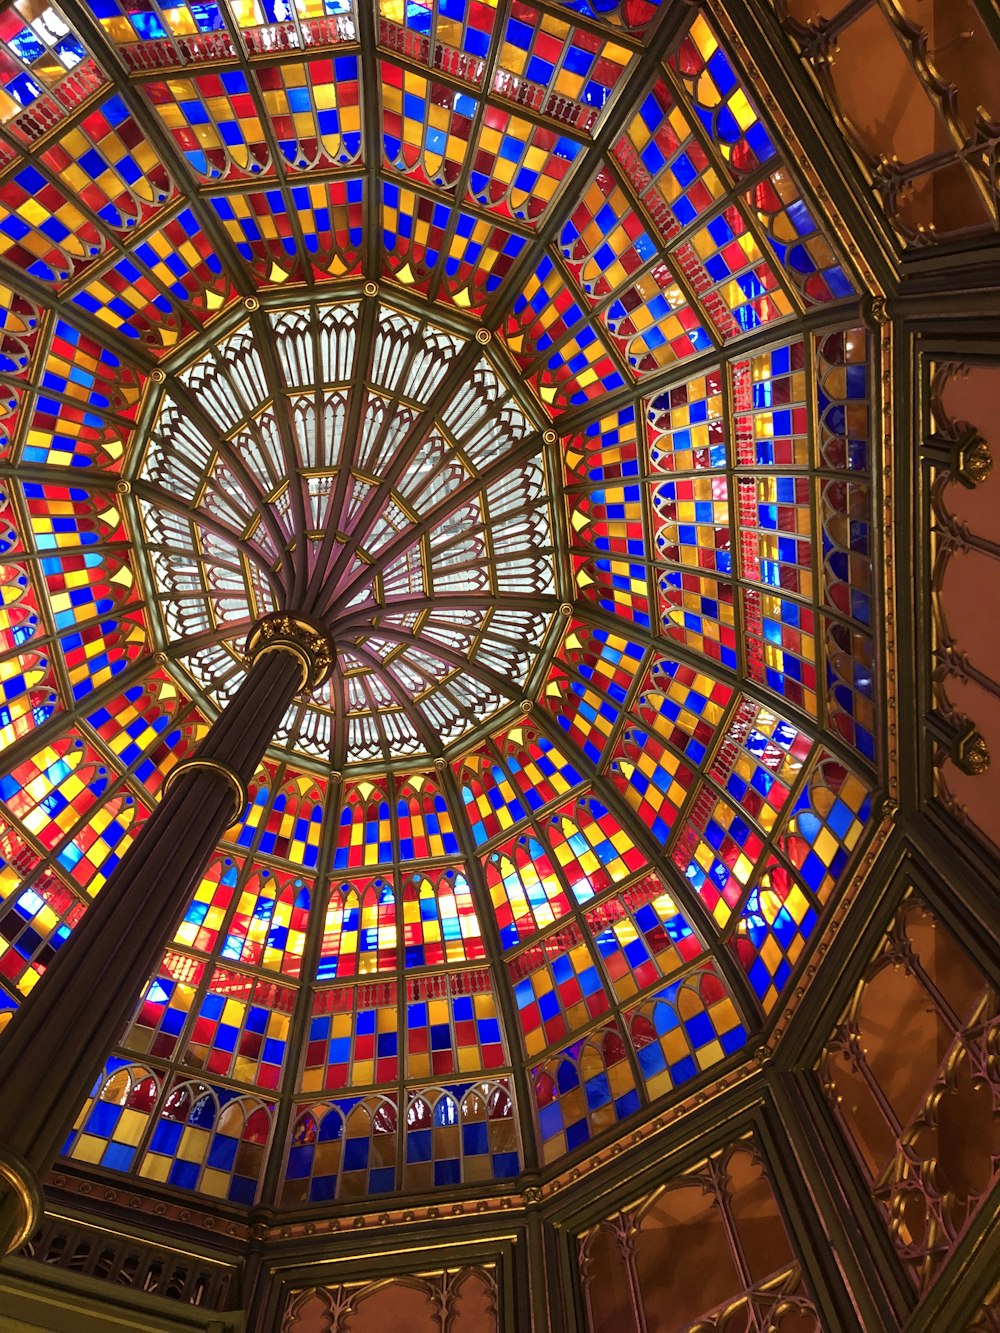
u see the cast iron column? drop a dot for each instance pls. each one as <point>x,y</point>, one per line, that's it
<point>56,1044</point>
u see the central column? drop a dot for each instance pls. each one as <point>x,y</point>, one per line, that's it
<point>56,1044</point>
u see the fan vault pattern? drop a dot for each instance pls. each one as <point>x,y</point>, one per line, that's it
<point>602,739</point>
<point>429,538</point>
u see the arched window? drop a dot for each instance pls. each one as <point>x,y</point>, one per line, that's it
<point>439,920</point>
<point>210,1139</point>
<point>526,892</point>
<point>113,1121</point>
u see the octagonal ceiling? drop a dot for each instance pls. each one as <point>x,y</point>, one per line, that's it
<point>520,321</point>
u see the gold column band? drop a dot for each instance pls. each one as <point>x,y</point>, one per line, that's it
<point>236,783</point>
<point>306,639</point>
<point>23,1186</point>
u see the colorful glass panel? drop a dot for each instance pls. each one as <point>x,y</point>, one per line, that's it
<point>771,426</point>
<point>604,242</point>
<point>717,852</point>
<point>850,685</point>
<point>553,67</point>
<point>526,892</point>
<point>149,727</point>
<point>684,1029</point>
<point>775,923</point>
<point>522,775</point>
<point>826,824</point>
<point>83,384</point>
<point>733,280</point>
<point>758,761</point>
<point>439,920</point>
<point>365,833</point>
<point>37,913</point>
<point>459,32</point>
<point>591,848</point>
<point>460,1134</point>
<point>452,1026</point>
<point>27,683</point>
<point>209,906</point>
<point>113,1122</point>
<point>65,796</point>
<point>342,1150</point>
<point>807,259</point>
<point>425,126</point>
<point>19,321</point>
<point>583,1089</point>
<point>359,935</point>
<point>666,164</point>
<point>215,122</point>
<point>697,610</point>
<point>479,257</point>
<point>314,111</point>
<point>108,164</point>
<point>294,823</point>
<point>353,1038</point>
<point>44,68</point>
<point>240,1029</point>
<point>42,229</point>
<point>606,450</point>
<point>641,937</point>
<point>653,325</point>
<point>169,1000</point>
<point>686,426</point>
<point>780,645</point>
<point>424,823</point>
<point>617,586</point>
<point>557,988</point>
<point>329,218</point>
<point>845,513</point>
<point>415,229</point>
<point>517,167</point>
<point>160,24</point>
<point>720,100</point>
<point>691,522</point>
<point>211,1139</point>
<point>268,927</point>
<point>776,532</point>
<point>842,399</point>
<point>651,778</point>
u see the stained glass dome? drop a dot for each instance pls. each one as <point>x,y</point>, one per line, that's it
<point>529,323</point>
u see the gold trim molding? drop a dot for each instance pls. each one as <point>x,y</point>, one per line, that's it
<point>238,787</point>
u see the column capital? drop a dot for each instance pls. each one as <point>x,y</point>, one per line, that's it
<point>305,638</point>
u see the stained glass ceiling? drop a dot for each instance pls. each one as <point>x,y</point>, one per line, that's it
<point>521,321</point>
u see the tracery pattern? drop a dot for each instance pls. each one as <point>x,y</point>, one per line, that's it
<point>730,1203</point>
<point>924,1141</point>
